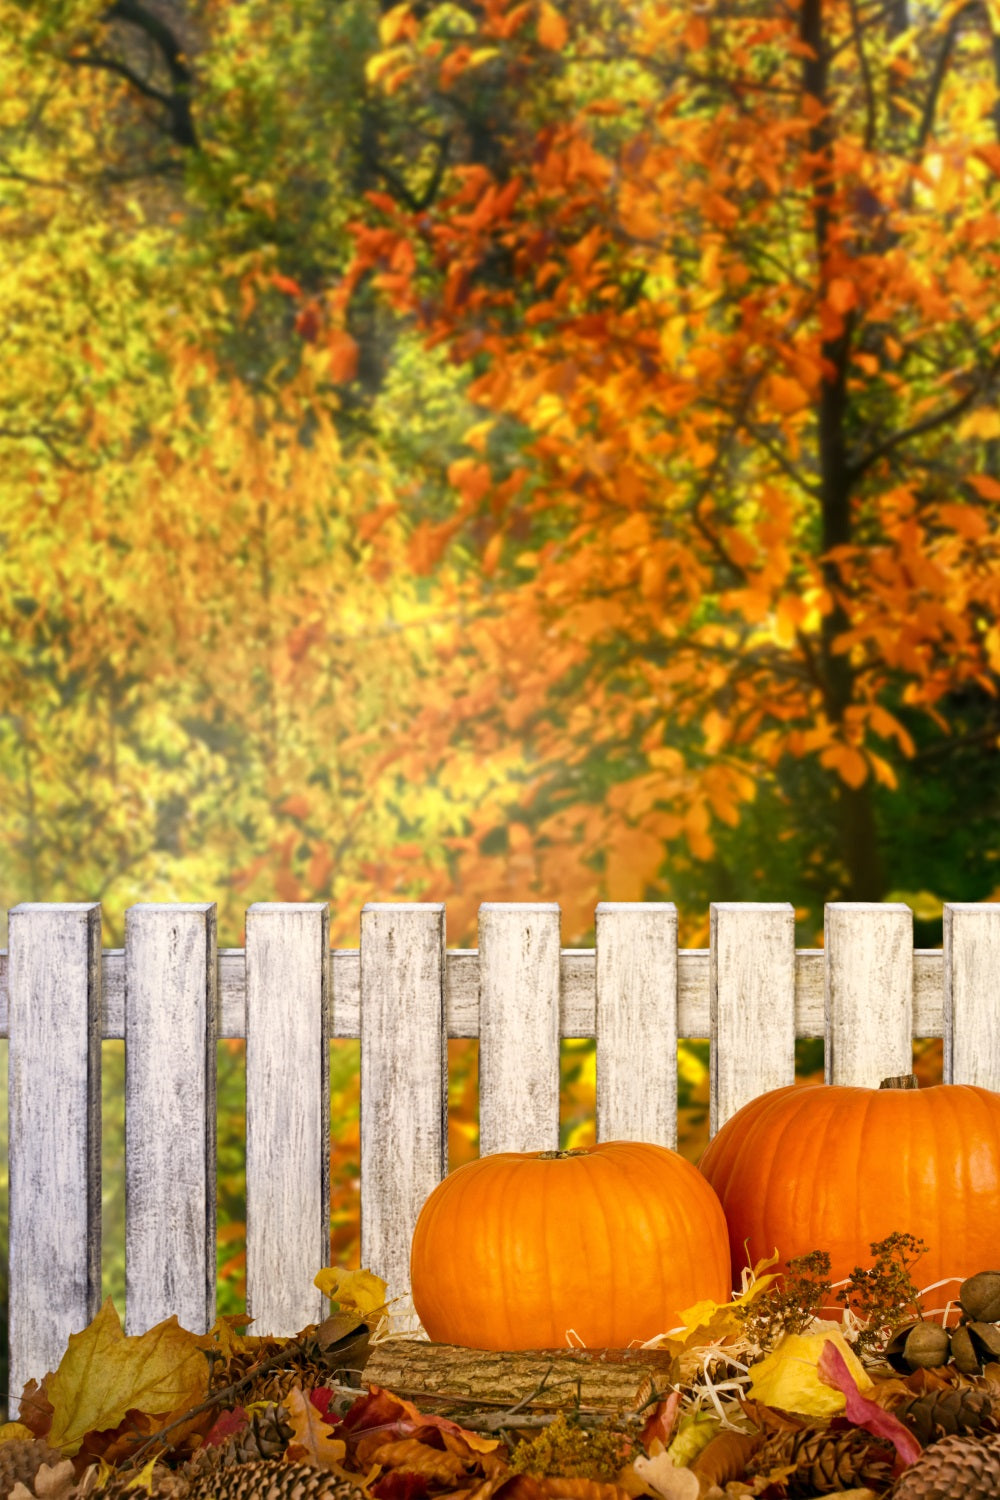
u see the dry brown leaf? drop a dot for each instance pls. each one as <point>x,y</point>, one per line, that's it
<point>312,1439</point>
<point>53,1481</point>
<point>582,1489</point>
<point>481,1489</point>
<point>725,1456</point>
<point>415,1457</point>
<point>769,1419</point>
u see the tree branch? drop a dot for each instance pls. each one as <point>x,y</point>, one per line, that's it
<point>177,102</point>
<point>926,424</point>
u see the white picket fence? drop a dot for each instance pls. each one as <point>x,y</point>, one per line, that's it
<point>170,994</point>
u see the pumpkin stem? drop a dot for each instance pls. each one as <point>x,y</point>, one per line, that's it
<point>903,1081</point>
<point>558,1155</point>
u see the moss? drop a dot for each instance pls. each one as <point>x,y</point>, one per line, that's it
<point>565,1450</point>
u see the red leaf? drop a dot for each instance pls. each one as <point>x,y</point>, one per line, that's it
<point>228,1423</point>
<point>321,1397</point>
<point>833,1371</point>
<point>661,1421</point>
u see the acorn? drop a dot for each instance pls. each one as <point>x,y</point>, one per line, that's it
<point>980,1297</point>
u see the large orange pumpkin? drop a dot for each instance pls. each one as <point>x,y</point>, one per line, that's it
<point>829,1167</point>
<point>612,1241</point>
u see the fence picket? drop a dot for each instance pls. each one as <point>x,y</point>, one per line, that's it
<point>636,1021</point>
<point>55,1132</point>
<point>869,992</point>
<point>171,974</point>
<point>971,985</point>
<point>752,999</point>
<point>170,992</point>
<point>288,1113</point>
<point>518,1027</point>
<point>404,1080</point>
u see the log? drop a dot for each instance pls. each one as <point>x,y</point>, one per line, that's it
<point>533,1379</point>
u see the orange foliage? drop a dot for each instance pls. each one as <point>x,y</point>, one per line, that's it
<point>743,339</point>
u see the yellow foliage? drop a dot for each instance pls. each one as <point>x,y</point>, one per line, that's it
<point>103,1374</point>
<point>788,1377</point>
<point>360,1291</point>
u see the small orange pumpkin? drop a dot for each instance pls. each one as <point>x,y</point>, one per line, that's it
<point>612,1241</point>
<point>831,1167</point>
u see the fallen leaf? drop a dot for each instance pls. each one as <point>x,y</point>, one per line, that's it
<point>312,1439</point>
<point>661,1422</point>
<point>103,1374</point>
<point>788,1376</point>
<point>360,1291</point>
<point>415,1457</point>
<point>12,1432</point>
<point>873,1418</point>
<point>725,1456</point>
<point>662,1476</point>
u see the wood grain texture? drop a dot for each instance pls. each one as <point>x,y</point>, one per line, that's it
<point>55,1132</point>
<point>577,981</point>
<point>869,990</point>
<point>601,1378</point>
<point>636,1021</point>
<point>518,1027</point>
<point>170,1028</point>
<point>404,1080</point>
<point>972,994</point>
<point>288,1113</point>
<point>752,1003</point>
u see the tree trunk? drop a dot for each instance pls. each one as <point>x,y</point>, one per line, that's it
<point>854,805</point>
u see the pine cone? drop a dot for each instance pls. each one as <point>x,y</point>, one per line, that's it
<point>270,1479</point>
<point>942,1413</point>
<point>826,1461</point>
<point>276,1384</point>
<point>266,1435</point>
<point>956,1468</point>
<point>21,1459</point>
<point>166,1484</point>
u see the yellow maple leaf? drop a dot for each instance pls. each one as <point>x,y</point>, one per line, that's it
<point>103,1374</point>
<point>355,1290</point>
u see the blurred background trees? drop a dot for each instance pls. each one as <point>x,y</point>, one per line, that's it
<point>486,451</point>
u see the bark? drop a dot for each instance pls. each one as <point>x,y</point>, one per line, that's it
<point>540,1379</point>
<point>855,806</point>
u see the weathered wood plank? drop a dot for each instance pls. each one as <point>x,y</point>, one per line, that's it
<point>404,1080</point>
<point>288,1113</point>
<point>518,1027</point>
<point>606,1379</point>
<point>636,1019</point>
<point>752,998</point>
<point>55,1132</point>
<point>869,951</point>
<point>170,1029</point>
<point>577,970</point>
<point>972,994</point>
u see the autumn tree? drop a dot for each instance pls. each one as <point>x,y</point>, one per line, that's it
<point>729,318</point>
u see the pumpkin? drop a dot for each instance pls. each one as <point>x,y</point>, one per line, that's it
<point>611,1241</point>
<point>832,1167</point>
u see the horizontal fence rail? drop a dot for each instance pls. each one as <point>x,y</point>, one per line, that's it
<point>171,994</point>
